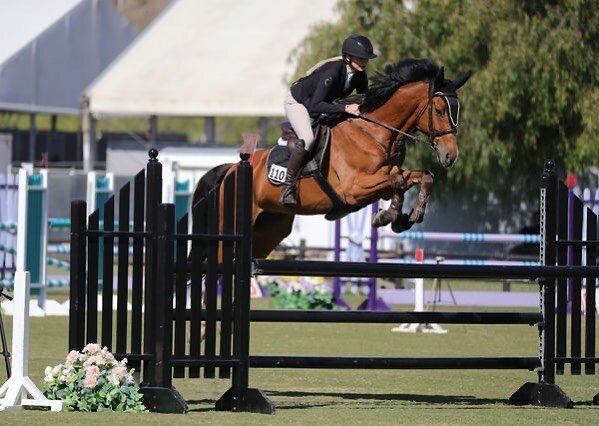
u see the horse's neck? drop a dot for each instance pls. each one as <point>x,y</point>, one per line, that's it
<point>402,110</point>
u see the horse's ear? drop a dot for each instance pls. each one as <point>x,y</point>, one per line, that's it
<point>461,80</point>
<point>439,79</point>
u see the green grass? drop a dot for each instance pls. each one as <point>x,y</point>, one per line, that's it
<point>348,396</point>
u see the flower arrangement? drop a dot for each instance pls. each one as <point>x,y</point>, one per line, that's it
<point>93,380</point>
<point>300,294</point>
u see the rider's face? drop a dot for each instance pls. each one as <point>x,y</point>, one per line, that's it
<point>358,64</point>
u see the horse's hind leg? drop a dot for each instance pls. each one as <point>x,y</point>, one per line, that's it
<point>269,230</point>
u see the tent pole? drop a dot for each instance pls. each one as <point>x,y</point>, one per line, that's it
<point>32,135</point>
<point>263,126</point>
<point>88,130</point>
<point>153,129</point>
<point>209,127</point>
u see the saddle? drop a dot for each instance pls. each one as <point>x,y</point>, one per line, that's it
<point>276,163</point>
<point>278,157</point>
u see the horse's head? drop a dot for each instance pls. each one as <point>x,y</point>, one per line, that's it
<point>439,118</point>
<point>430,104</point>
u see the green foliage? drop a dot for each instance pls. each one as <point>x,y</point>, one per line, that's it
<point>93,381</point>
<point>533,94</point>
<point>317,298</point>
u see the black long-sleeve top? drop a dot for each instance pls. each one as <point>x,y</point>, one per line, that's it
<point>318,90</point>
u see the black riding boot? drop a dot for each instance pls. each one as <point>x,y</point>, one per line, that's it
<point>295,164</point>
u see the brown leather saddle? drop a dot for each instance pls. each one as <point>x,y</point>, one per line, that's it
<point>279,155</point>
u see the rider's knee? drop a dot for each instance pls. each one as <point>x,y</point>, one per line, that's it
<point>308,142</point>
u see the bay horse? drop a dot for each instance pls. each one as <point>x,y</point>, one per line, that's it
<point>366,154</point>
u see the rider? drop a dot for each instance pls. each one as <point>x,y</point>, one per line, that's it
<point>314,94</point>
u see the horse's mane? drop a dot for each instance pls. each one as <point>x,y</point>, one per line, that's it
<point>384,84</point>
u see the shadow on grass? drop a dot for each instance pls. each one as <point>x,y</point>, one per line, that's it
<point>589,403</point>
<point>345,398</point>
<point>428,399</point>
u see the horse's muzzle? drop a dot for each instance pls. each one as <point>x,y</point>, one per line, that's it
<point>446,157</point>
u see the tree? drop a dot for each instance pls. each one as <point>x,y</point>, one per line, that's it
<point>533,95</point>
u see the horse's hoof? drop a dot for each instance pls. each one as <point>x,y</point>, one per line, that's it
<point>402,223</point>
<point>381,219</point>
<point>417,215</point>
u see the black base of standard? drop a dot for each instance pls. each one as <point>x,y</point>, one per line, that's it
<point>255,401</point>
<point>164,400</point>
<point>543,394</point>
<point>596,399</point>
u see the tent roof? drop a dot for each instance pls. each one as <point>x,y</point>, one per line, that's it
<point>209,58</point>
<point>51,50</point>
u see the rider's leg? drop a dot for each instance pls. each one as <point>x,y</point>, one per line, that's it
<point>298,116</point>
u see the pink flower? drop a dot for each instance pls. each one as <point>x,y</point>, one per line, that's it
<point>108,356</point>
<point>72,356</point>
<point>95,359</point>
<point>92,371</point>
<point>92,348</point>
<point>90,382</point>
<point>120,371</point>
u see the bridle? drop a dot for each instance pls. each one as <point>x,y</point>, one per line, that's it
<point>432,134</point>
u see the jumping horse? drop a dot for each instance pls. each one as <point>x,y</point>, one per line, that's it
<point>366,154</point>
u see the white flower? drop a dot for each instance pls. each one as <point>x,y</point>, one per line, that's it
<point>48,371</point>
<point>56,370</point>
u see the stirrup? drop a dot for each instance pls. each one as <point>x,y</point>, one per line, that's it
<point>289,192</point>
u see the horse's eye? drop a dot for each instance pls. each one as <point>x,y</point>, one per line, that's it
<point>439,112</point>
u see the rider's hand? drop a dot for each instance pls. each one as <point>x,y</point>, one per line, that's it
<point>353,109</point>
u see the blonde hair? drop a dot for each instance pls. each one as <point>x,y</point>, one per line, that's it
<point>321,63</point>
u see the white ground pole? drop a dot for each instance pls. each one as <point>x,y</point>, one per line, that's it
<point>19,391</point>
<point>419,307</point>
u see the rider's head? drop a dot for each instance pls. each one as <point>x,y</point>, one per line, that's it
<point>357,51</point>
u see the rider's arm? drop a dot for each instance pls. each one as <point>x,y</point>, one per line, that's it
<point>318,105</point>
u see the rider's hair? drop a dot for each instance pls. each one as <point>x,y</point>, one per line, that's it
<point>321,63</point>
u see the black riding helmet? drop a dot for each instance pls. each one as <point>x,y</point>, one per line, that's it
<point>358,46</point>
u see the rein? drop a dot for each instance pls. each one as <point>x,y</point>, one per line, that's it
<point>432,134</point>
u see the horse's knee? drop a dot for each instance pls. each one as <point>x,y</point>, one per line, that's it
<point>399,183</point>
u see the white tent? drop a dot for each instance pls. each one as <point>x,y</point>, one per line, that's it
<point>209,58</point>
<point>51,50</point>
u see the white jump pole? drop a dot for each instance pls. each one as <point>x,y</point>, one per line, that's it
<point>419,306</point>
<point>15,391</point>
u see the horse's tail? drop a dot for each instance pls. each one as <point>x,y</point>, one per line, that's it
<point>209,181</point>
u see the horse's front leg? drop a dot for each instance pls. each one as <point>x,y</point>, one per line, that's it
<point>413,177</point>
<point>394,185</point>
<point>391,214</point>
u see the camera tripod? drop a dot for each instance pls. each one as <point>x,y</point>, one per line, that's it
<point>437,283</point>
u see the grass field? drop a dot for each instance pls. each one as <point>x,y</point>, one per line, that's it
<point>346,396</point>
